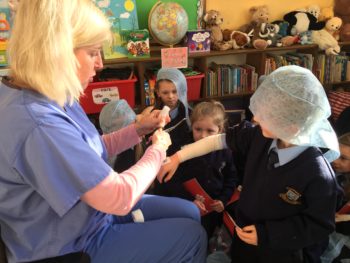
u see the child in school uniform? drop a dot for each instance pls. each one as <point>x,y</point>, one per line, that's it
<point>339,241</point>
<point>171,91</point>
<point>288,198</point>
<point>215,172</point>
<point>114,116</point>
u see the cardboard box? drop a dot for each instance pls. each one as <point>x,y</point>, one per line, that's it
<point>198,41</point>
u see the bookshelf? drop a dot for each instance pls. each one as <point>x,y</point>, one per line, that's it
<point>202,61</point>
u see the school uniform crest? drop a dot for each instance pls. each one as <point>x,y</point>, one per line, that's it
<point>291,196</point>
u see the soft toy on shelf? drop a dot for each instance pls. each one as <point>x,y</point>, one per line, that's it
<point>305,38</point>
<point>326,42</point>
<point>258,14</point>
<point>213,20</point>
<point>333,26</point>
<point>302,21</point>
<point>342,10</point>
<point>269,32</point>
<point>237,38</point>
<point>314,10</point>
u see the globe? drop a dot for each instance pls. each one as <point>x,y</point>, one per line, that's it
<point>168,23</point>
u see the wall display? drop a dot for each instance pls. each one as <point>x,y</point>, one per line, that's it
<point>123,16</point>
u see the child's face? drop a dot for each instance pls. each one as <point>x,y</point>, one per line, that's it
<point>342,164</point>
<point>266,132</point>
<point>167,92</point>
<point>203,128</point>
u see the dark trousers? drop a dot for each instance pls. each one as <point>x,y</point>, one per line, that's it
<point>242,252</point>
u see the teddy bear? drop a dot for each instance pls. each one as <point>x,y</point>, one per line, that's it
<point>342,10</point>
<point>237,38</point>
<point>258,14</point>
<point>213,20</point>
<point>333,26</point>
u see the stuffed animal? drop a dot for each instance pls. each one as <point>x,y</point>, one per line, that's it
<point>325,41</point>
<point>314,10</point>
<point>238,39</point>
<point>305,38</point>
<point>342,10</point>
<point>269,32</point>
<point>258,14</point>
<point>213,20</point>
<point>333,25</point>
<point>302,21</point>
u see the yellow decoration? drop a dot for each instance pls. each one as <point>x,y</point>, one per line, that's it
<point>129,5</point>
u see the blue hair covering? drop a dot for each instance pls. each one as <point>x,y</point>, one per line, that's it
<point>179,80</point>
<point>116,115</point>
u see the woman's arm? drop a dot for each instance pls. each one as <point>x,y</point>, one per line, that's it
<point>118,193</point>
<point>123,139</point>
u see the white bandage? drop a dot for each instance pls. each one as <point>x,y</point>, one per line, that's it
<point>137,216</point>
<point>163,113</point>
<point>202,147</point>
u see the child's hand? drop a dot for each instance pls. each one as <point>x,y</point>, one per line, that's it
<point>168,169</point>
<point>201,206</point>
<point>248,234</point>
<point>217,206</point>
<point>342,217</point>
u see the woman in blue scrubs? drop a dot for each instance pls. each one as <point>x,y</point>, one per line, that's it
<point>57,193</point>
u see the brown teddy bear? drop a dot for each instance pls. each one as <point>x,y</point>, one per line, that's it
<point>342,10</point>
<point>258,14</point>
<point>213,20</point>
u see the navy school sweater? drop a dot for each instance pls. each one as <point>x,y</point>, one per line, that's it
<point>292,206</point>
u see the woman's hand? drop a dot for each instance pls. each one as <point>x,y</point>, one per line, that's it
<point>161,138</point>
<point>217,206</point>
<point>248,234</point>
<point>168,169</point>
<point>147,123</point>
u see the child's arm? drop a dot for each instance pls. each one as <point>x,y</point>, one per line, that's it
<point>199,148</point>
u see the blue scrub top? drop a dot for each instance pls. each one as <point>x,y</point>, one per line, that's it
<point>49,157</point>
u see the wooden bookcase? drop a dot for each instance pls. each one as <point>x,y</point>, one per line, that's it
<point>200,61</point>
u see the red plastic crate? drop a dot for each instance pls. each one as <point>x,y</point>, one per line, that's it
<point>194,84</point>
<point>97,94</point>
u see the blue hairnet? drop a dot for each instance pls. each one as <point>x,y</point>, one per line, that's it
<point>179,80</point>
<point>293,105</point>
<point>116,115</point>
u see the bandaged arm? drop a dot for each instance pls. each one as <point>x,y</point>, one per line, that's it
<point>202,147</point>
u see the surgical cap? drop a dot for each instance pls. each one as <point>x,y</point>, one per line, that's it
<point>116,115</point>
<point>292,104</point>
<point>179,80</point>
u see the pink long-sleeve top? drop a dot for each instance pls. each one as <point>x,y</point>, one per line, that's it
<point>118,193</point>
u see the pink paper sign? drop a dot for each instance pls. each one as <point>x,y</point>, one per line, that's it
<point>174,57</point>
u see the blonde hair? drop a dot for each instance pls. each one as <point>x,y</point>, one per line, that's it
<point>43,39</point>
<point>213,109</point>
